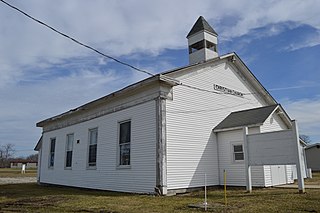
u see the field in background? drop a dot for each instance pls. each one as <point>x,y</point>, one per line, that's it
<point>8,172</point>
<point>315,180</point>
<point>35,198</point>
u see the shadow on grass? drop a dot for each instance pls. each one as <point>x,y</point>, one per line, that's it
<point>35,190</point>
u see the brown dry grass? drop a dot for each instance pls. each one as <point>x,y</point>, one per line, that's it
<point>35,198</point>
<point>8,172</point>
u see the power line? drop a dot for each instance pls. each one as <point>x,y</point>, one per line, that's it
<point>206,110</point>
<point>101,53</point>
<point>75,40</point>
<point>200,89</point>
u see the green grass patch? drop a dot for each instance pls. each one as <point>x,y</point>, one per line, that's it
<point>315,180</point>
<point>8,172</point>
<point>35,198</point>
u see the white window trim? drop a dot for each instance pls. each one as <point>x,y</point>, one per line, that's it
<point>88,149</point>
<point>236,143</point>
<point>66,150</point>
<point>118,166</point>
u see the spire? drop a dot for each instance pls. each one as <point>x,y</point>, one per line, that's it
<point>201,25</point>
<point>202,42</point>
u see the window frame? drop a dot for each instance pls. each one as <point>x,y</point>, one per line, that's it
<point>67,150</point>
<point>233,145</point>
<point>119,161</point>
<point>91,165</point>
<point>51,155</point>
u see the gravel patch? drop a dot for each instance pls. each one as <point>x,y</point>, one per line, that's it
<point>4,181</point>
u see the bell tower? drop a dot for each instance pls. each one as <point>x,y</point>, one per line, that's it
<point>202,42</point>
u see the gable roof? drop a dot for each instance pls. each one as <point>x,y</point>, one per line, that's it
<point>163,77</point>
<point>109,97</point>
<point>38,145</point>
<point>313,145</point>
<point>201,25</point>
<point>250,117</point>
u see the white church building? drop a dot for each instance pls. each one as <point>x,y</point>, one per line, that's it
<point>165,133</point>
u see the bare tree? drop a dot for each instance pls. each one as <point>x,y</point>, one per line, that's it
<point>6,152</point>
<point>305,138</point>
<point>33,157</point>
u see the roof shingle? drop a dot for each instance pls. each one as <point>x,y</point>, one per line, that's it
<point>201,24</point>
<point>246,117</point>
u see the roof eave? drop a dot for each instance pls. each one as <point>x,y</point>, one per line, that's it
<point>237,127</point>
<point>38,145</point>
<point>256,83</point>
<point>312,145</point>
<point>285,117</point>
<point>165,79</point>
<point>201,31</point>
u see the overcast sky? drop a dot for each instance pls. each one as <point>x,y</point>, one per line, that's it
<point>43,74</point>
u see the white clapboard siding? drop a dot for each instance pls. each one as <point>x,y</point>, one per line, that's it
<point>236,170</point>
<point>140,177</point>
<point>267,176</point>
<point>289,171</point>
<point>191,116</point>
<point>273,123</point>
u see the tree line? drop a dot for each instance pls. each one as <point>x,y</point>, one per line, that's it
<point>7,152</point>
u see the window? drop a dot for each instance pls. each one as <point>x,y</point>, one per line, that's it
<point>52,149</point>
<point>238,152</point>
<point>196,46</point>
<point>69,148</point>
<point>93,140</point>
<point>124,143</point>
<point>211,46</point>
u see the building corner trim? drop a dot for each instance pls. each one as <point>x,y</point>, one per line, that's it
<point>161,149</point>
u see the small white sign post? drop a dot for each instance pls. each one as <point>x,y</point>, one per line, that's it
<point>246,160</point>
<point>23,169</point>
<point>299,157</point>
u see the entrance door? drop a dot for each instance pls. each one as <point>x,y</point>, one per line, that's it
<point>278,174</point>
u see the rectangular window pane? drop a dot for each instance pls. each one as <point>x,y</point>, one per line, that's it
<point>238,152</point>
<point>93,137</point>
<point>125,132</point>
<point>125,154</point>
<point>92,155</point>
<point>70,138</point>
<point>52,150</point>
<point>69,147</point>
<point>237,148</point>
<point>52,145</point>
<point>69,159</point>
<point>124,143</point>
<point>238,156</point>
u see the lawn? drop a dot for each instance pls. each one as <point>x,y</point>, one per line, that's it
<point>35,198</point>
<point>315,180</point>
<point>8,172</point>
